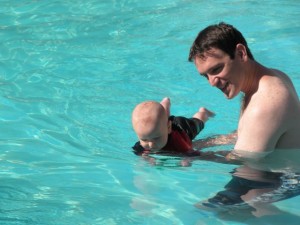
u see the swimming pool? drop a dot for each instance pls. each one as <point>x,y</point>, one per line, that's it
<point>71,73</point>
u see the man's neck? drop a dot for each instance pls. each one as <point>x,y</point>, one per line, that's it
<point>253,74</point>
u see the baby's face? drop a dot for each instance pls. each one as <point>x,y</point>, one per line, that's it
<point>153,137</point>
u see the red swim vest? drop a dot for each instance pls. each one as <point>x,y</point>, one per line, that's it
<point>178,142</point>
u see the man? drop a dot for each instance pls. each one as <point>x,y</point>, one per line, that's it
<point>269,120</point>
<point>270,111</point>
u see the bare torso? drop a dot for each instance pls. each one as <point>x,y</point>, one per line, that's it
<point>271,119</point>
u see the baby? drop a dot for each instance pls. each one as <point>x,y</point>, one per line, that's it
<point>158,132</point>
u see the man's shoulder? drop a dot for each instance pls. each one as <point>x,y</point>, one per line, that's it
<point>274,93</point>
<point>274,103</point>
<point>277,83</point>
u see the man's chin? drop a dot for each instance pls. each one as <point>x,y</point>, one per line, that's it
<point>229,95</point>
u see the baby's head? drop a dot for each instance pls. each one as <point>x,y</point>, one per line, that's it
<point>151,123</point>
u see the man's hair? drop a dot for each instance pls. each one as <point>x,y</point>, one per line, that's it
<point>221,36</point>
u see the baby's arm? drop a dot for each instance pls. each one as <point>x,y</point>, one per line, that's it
<point>166,103</point>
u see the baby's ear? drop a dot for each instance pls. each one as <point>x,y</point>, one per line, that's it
<point>166,103</point>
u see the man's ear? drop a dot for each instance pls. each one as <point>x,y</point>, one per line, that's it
<point>241,52</point>
<point>169,126</point>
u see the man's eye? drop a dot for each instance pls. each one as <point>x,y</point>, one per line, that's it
<point>216,70</point>
<point>204,75</point>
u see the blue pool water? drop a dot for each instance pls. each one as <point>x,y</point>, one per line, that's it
<point>71,73</point>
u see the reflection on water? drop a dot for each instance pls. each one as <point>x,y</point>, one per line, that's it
<point>247,197</point>
<point>250,194</point>
<point>260,181</point>
<point>279,160</point>
<point>249,187</point>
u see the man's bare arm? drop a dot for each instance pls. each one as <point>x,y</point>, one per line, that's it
<point>217,140</point>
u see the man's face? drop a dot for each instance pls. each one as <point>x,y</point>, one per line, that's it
<point>221,71</point>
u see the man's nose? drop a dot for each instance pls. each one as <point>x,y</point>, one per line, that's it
<point>213,81</point>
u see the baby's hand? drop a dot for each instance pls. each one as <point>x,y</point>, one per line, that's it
<point>166,103</point>
<point>203,114</point>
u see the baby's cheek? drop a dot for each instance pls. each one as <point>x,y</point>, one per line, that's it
<point>164,142</point>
